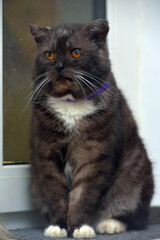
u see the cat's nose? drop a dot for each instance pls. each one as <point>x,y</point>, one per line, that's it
<point>59,67</point>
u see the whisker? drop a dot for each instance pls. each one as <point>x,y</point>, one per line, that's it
<point>34,80</point>
<point>92,87</point>
<point>81,87</point>
<point>40,86</point>
<point>86,83</point>
<point>40,75</point>
<point>94,77</point>
<point>112,93</point>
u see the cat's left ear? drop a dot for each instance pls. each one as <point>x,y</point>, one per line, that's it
<point>97,30</point>
<point>39,33</point>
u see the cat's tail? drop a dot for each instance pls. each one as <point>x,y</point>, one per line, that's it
<point>154,217</point>
<point>4,234</point>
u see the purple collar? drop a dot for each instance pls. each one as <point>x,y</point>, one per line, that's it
<point>96,93</point>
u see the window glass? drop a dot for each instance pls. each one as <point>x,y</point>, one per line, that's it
<point>18,54</point>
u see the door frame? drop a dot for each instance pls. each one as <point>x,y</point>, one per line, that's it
<point>14,179</point>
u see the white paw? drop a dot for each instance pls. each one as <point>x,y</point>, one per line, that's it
<point>55,231</point>
<point>110,226</point>
<point>84,232</point>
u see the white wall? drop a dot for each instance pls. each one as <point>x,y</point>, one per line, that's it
<point>134,44</point>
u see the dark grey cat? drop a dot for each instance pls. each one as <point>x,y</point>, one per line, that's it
<point>90,169</point>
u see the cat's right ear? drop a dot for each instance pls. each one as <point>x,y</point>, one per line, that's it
<point>39,33</point>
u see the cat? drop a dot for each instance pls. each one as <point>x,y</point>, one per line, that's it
<point>91,173</point>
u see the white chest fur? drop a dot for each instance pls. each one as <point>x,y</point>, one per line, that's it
<point>70,112</point>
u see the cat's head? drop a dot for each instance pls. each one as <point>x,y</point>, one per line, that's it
<point>71,59</point>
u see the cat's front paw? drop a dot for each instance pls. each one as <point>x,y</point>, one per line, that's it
<point>55,231</point>
<point>84,232</point>
<point>110,226</point>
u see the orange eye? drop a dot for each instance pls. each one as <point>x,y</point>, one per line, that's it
<point>49,55</point>
<point>76,52</point>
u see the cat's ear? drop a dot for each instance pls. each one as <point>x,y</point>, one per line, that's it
<point>39,33</point>
<point>97,30</point>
